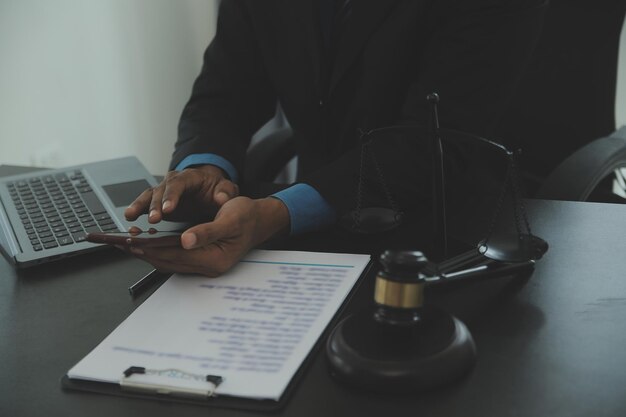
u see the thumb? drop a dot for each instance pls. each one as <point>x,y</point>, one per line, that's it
<point>203,234</point>
<point>224,191</point>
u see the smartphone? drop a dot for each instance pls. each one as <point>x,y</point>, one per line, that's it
<point>149,239</point>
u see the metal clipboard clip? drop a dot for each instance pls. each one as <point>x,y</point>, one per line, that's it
<point>170,381</point>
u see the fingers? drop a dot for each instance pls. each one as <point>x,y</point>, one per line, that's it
<point>134,231</point>
<point>210,248</point>
<point>139,206</point>
<point>224,191</point>
<point>226,226</point>
<point>203,234</point>
<point>167,194</point>
<point>163,198</point>
<point>189,240</point>
<point>148,202</point>
<point>207,185</point>
<point>176,184</point>
<point>154,214</point>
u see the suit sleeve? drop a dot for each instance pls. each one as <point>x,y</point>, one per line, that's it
<point>231,98</point>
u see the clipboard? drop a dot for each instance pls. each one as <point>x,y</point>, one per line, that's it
<point>205,396</point>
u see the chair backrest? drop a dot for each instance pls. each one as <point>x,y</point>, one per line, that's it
<point>579,176</point>
<point>566,98</point>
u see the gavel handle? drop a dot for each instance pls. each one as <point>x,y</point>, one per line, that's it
<point>487,270</point>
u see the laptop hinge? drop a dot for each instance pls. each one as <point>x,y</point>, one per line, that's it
<point>8,240</point>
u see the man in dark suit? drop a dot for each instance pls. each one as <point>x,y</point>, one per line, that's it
<point>335,66</point>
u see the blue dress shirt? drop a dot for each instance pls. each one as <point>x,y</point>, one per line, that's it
<point>308,211</point>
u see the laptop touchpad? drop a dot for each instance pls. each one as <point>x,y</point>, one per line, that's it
<point>124,193</point>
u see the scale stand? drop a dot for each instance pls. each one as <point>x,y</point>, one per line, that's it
<point>403,345</point>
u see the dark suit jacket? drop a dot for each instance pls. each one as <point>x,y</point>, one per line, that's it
<point>391,55</point>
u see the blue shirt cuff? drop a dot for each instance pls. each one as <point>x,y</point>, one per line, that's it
<point>308,211</point>
<point>208,159</point>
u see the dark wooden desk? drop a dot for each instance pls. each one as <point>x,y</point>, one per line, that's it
<point>552,347</point>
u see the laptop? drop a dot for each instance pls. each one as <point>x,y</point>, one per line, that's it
<point>45,215</point>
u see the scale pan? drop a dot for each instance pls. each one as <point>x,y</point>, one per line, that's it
<point>513,248</point>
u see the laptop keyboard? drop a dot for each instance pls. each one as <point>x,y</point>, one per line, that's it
<point>59,210</point>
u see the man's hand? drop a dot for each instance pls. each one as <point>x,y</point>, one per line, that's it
<point>184,195</point>
<point>213,248</point>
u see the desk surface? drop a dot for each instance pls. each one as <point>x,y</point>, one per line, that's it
<point>554,346</point>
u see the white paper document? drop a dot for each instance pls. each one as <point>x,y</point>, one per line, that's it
<point>254,326</point>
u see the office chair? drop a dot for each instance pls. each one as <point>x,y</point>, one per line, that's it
<point>590,173</point>
<point>268,157</point>
<point>562,116</point>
